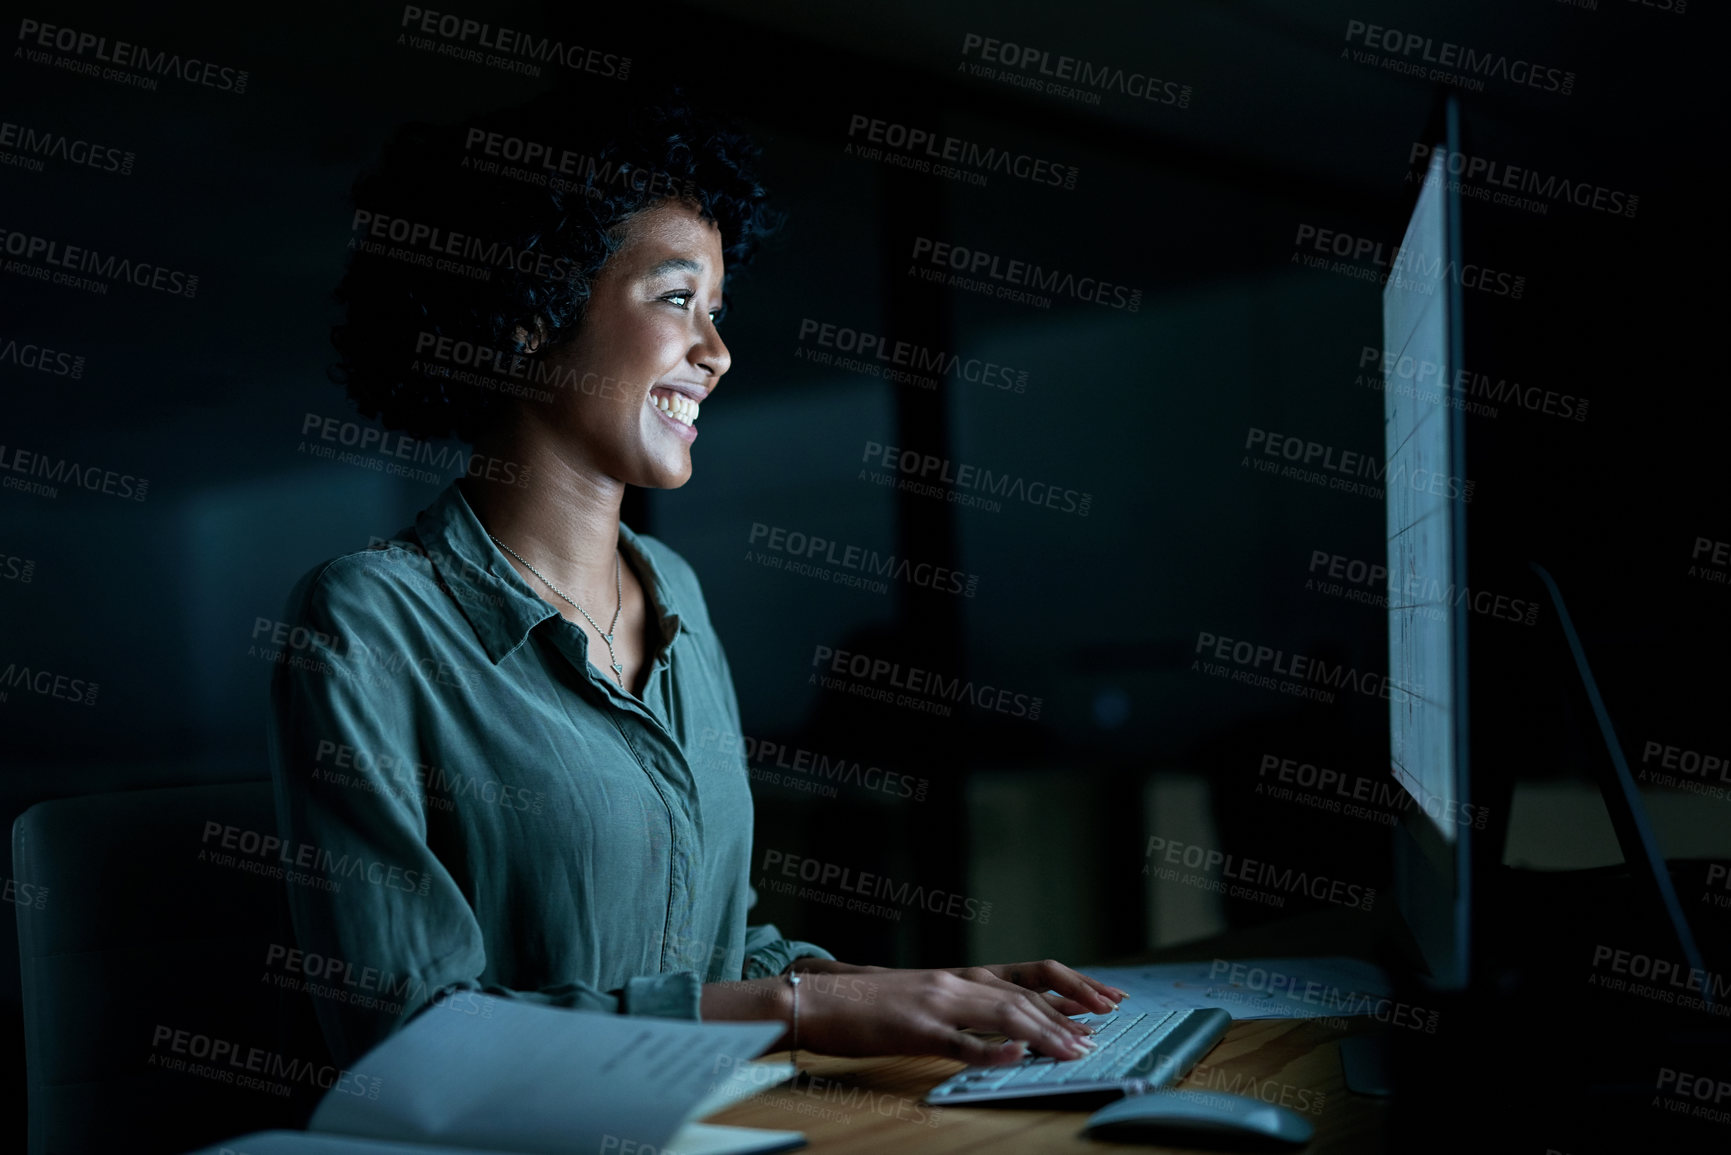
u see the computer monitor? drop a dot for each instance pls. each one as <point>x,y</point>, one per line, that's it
<point>1426,498</point>
<point>1426,559</point>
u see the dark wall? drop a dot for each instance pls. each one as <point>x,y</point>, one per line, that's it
<point>1205,202</point>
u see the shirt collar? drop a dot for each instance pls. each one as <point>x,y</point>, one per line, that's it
<point>498,603</point>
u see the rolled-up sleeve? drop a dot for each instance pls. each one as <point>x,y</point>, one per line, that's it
<point>768,954</point>
<point>369,890</point>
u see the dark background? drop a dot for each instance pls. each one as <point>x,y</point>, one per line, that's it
<point>1147,411</point>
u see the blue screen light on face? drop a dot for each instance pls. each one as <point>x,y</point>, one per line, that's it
<point>1420,524</point>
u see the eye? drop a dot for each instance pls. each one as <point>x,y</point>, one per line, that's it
<point>681,299</point>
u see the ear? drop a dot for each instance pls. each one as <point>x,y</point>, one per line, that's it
<point>531,341</point>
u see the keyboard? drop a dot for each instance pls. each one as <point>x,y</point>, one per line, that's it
<point>1133,1052</point>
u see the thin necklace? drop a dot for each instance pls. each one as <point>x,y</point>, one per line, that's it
<point>618,593</point>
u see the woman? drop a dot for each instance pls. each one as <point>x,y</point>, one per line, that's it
<point>486,757</point>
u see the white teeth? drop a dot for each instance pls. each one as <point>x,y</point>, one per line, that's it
<point>677,406</point>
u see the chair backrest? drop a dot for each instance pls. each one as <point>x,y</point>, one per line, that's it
<point>160,1009</point>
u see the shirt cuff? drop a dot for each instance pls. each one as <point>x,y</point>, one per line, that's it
<point>769,958</point>
<point>675,995</point>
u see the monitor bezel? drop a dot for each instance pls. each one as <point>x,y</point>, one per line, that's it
<point>1432,875</point>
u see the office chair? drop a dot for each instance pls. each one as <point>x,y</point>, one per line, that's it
<point>145,978</point>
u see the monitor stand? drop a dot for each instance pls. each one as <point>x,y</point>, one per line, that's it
<point>1623,799</point>
<point>1365,1058</point>
<point>1364,1063</point>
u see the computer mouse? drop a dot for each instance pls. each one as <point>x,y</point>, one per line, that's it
<point>1199,1118</point>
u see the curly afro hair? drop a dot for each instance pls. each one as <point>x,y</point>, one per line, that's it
<point>492,231</point>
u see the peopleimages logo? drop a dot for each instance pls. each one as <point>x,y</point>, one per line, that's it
<point>63,471</point>
<point>445,560</point>
<point>41,359</point>
<point>341,981</point>
<point>1686,1092</point>
<point>808,1094</point>
<point>1336,468</point>
<point>421,783</point>
<point>1456,64</point>
<point>1339,792</point>
<point>34,145</point>
<point>1660,979</point>
<point>1355,580</point>
<point>860,562</point>
<point>255,852</point>
<point>927,475</point>
<point>1166,853</point>
<point>1675,7</point>
<point>562,170</point>
<point>1718,876</point>
<point>17,569</point>
<point>1509,180</point>
<point>1408,268</point>
<point>1302,674</point>
<point>89,52</point>
<point>24,894</point>
<point>920,686</point>
<point>1709,560</point>
<point>904,355</point>
<point>321,435</point>
<point>47,684</point>
<point>976,271</point>
<point>1048,71</point>
<point>447,34</point>
<point>58,263</point>
<point>1427,381</point>
<point>514,374</point>
<point>1679,768</point>
<point>229,1062</point>
<point>297,647</point>
<point>919,148</point>
<point>1241,976</point>
<point>445,251</point>
<point>834,877</point>
<point>763,757</point>
<point>1207,1077</point>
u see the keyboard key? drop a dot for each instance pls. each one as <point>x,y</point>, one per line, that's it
<point>1144,1049</point>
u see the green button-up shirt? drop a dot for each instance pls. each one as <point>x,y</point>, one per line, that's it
<point>466,804</point>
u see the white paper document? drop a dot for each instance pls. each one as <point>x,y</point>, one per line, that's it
<point>315,1143</point>
<point>490,1076</point>
<point>1266,988</point>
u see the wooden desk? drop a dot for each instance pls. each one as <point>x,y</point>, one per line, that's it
<point>875,1105</point>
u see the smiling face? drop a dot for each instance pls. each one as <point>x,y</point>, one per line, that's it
<point>647,353</point>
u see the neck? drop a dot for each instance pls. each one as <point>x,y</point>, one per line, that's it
<point>565,520</point>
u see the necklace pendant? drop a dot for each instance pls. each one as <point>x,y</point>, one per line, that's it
<point>608,638</point>
<point>617,668</point>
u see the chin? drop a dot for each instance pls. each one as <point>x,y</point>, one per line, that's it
<point>663,476</point>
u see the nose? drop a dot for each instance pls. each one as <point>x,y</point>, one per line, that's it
<point>710,353</point>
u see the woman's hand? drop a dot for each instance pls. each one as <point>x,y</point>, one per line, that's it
<point>1077,994</point>
<point>861,1010</point>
